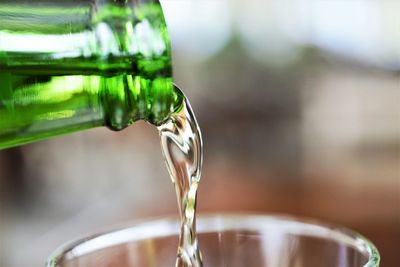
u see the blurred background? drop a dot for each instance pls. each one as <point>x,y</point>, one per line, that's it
<point>299,104</point>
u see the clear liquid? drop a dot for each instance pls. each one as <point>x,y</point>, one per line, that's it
<point>182,148</point>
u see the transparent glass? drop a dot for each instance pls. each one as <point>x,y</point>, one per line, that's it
<point>229,240</point>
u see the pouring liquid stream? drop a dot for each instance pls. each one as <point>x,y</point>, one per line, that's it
<point>182,149</point>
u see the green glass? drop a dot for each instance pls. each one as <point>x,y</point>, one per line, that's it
<point>72,65</point>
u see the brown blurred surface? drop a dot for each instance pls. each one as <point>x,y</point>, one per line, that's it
<point>373,213</point>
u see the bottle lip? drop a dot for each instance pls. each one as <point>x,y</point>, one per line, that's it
<point>180,96</point>
<point>177,104</point>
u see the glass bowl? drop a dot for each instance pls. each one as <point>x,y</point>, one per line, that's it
<point>225,240</point>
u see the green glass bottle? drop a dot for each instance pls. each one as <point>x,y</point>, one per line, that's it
<point>72,65</point>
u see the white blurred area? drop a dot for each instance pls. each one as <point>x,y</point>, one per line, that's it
<point>290,95</point>
<point>272,31</point>
<point>351,104</point>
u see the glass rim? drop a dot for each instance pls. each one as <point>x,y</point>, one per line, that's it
<point>214,223</point>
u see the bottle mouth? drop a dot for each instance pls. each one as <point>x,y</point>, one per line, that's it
<point>130,98</point>
<point>180,97</point>
<point>163,105</point>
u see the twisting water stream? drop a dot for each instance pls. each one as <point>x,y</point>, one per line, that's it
<point>182,148</point>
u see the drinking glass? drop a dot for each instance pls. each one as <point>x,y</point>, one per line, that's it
<point>225,240</point>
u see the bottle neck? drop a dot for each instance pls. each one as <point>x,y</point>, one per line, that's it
<point>135,36</point>
<point>111,66</point>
